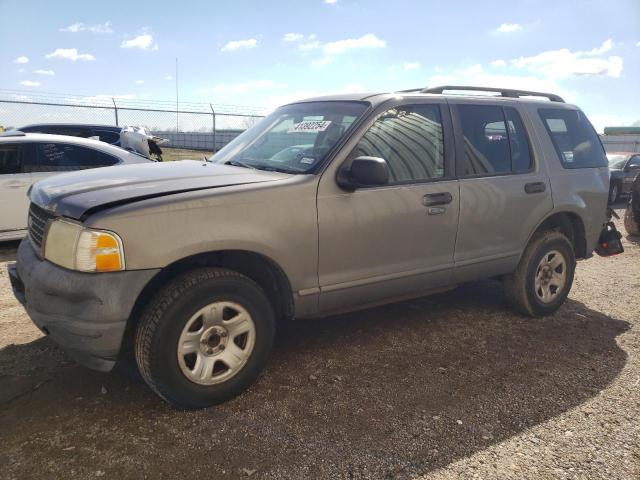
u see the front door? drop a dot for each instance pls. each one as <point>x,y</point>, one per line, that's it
<point>397,239</point>
<point>14,183</point>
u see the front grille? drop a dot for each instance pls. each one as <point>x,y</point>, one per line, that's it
<point>38,220</point>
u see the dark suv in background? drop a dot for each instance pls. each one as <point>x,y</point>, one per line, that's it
<point>106,133</point>
<point>624,168</point>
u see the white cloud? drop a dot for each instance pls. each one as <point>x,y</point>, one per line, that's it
<point>139,82</point>
<point>50,73</point>
<point>30,83</point>
<point>142,42</point>
<point>366,41</point>
<point>236,88</point>
<point>411,65</point>
<point>168,77</point>
<point>322,61</point>
<point>310,45</point>
<point>70,54</point>
<point>564,63</point>
<point>638,44</point>
<point>509,28</point>
<point>21,60</point>
<point>237,44</point>
<point>473,70</point>
<point>498,63</point>
<point>81,27</point>
<point>292,37</point>
<point>331,2</point>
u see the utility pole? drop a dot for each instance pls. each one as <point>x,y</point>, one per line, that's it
<point>177,104</point>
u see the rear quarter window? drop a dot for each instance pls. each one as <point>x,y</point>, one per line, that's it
<point>574,138</point>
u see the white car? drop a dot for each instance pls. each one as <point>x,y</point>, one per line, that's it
<point>26,158</point>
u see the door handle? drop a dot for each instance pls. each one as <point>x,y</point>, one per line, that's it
<point>535,187</point>
<point>433,199</point>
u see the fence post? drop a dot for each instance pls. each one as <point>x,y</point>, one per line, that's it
<point>213,115</point>
<point>115,108</point>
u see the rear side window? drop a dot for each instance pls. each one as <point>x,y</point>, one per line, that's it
<point>10,161</point>
<point>495,141</point>
<point>55,157</point>
<point>410,139</point>
<point>574,138</point>
<point>108,136</point>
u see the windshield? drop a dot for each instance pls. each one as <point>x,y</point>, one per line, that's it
<point>616,161</point>
<point>294,138</point>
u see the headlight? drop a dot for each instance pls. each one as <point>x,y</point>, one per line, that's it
<point>75,247</point>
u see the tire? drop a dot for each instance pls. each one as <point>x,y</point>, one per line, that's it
<point>192,319</point>
<point>630,225</point>
<point>528,289</point>
<point>614,193</point>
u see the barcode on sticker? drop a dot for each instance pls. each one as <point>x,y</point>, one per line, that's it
<point>310,126</point>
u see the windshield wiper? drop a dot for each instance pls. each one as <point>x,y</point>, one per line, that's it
<point>279,169</point>
<point>238,163</point>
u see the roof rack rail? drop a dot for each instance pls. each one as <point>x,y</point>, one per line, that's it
<point>504,92</point>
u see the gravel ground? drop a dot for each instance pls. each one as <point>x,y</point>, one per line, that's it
<point>449,386</point>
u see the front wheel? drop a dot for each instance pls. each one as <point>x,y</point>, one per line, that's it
<point>205,337</point>
<point>544,276</point>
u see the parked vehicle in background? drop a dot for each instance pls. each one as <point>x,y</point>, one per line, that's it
<point>134,138</point>
<point>624,168</point>
<point>373,198</point>
<point>142,141</point>
<point>26,158</point>
<point>105,133</point>
<point>632,214</point>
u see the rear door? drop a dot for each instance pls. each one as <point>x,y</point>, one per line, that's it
<point>14,183</point>
<point>504,189</point>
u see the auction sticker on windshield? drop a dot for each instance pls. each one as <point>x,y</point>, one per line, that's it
<point>310,126</point>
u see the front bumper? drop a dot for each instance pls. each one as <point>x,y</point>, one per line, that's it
<point>85,313</point>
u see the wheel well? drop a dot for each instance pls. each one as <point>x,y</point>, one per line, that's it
<point>262,270</point>
<point>571,226</point>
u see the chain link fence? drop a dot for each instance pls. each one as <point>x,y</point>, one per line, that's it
<point>198,126</point>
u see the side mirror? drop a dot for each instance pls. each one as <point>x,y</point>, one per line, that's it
<point>363,172</point>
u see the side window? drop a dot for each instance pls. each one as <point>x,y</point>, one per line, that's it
<point>410,139</point>
<point>70,131</point>
<point>634,163</point>
<point>486,143</point>
<point>56,157</point>
<point>107,136</point>
<point>518,142</point>
<point>10,159</point>
<point>574,138</point>
<point>495,140</point>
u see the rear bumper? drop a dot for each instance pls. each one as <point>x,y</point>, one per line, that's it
<point>85,313</point>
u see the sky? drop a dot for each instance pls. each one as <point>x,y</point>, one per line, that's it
<point>267,53</point>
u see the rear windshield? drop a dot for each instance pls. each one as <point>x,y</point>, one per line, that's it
<point>574,138</point>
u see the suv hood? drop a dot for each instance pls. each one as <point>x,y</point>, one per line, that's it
<point>74,194</point>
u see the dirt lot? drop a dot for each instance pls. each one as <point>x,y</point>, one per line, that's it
<point>451,386</point>
<point>171,154</point>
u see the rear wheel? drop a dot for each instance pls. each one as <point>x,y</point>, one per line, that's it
<point>544,276</point>
<point>614,193</point>
<point>205,337</point>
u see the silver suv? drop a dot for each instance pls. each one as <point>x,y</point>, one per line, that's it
<point>326,205</point>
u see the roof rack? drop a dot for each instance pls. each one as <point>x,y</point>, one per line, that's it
<point>504,92</point>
